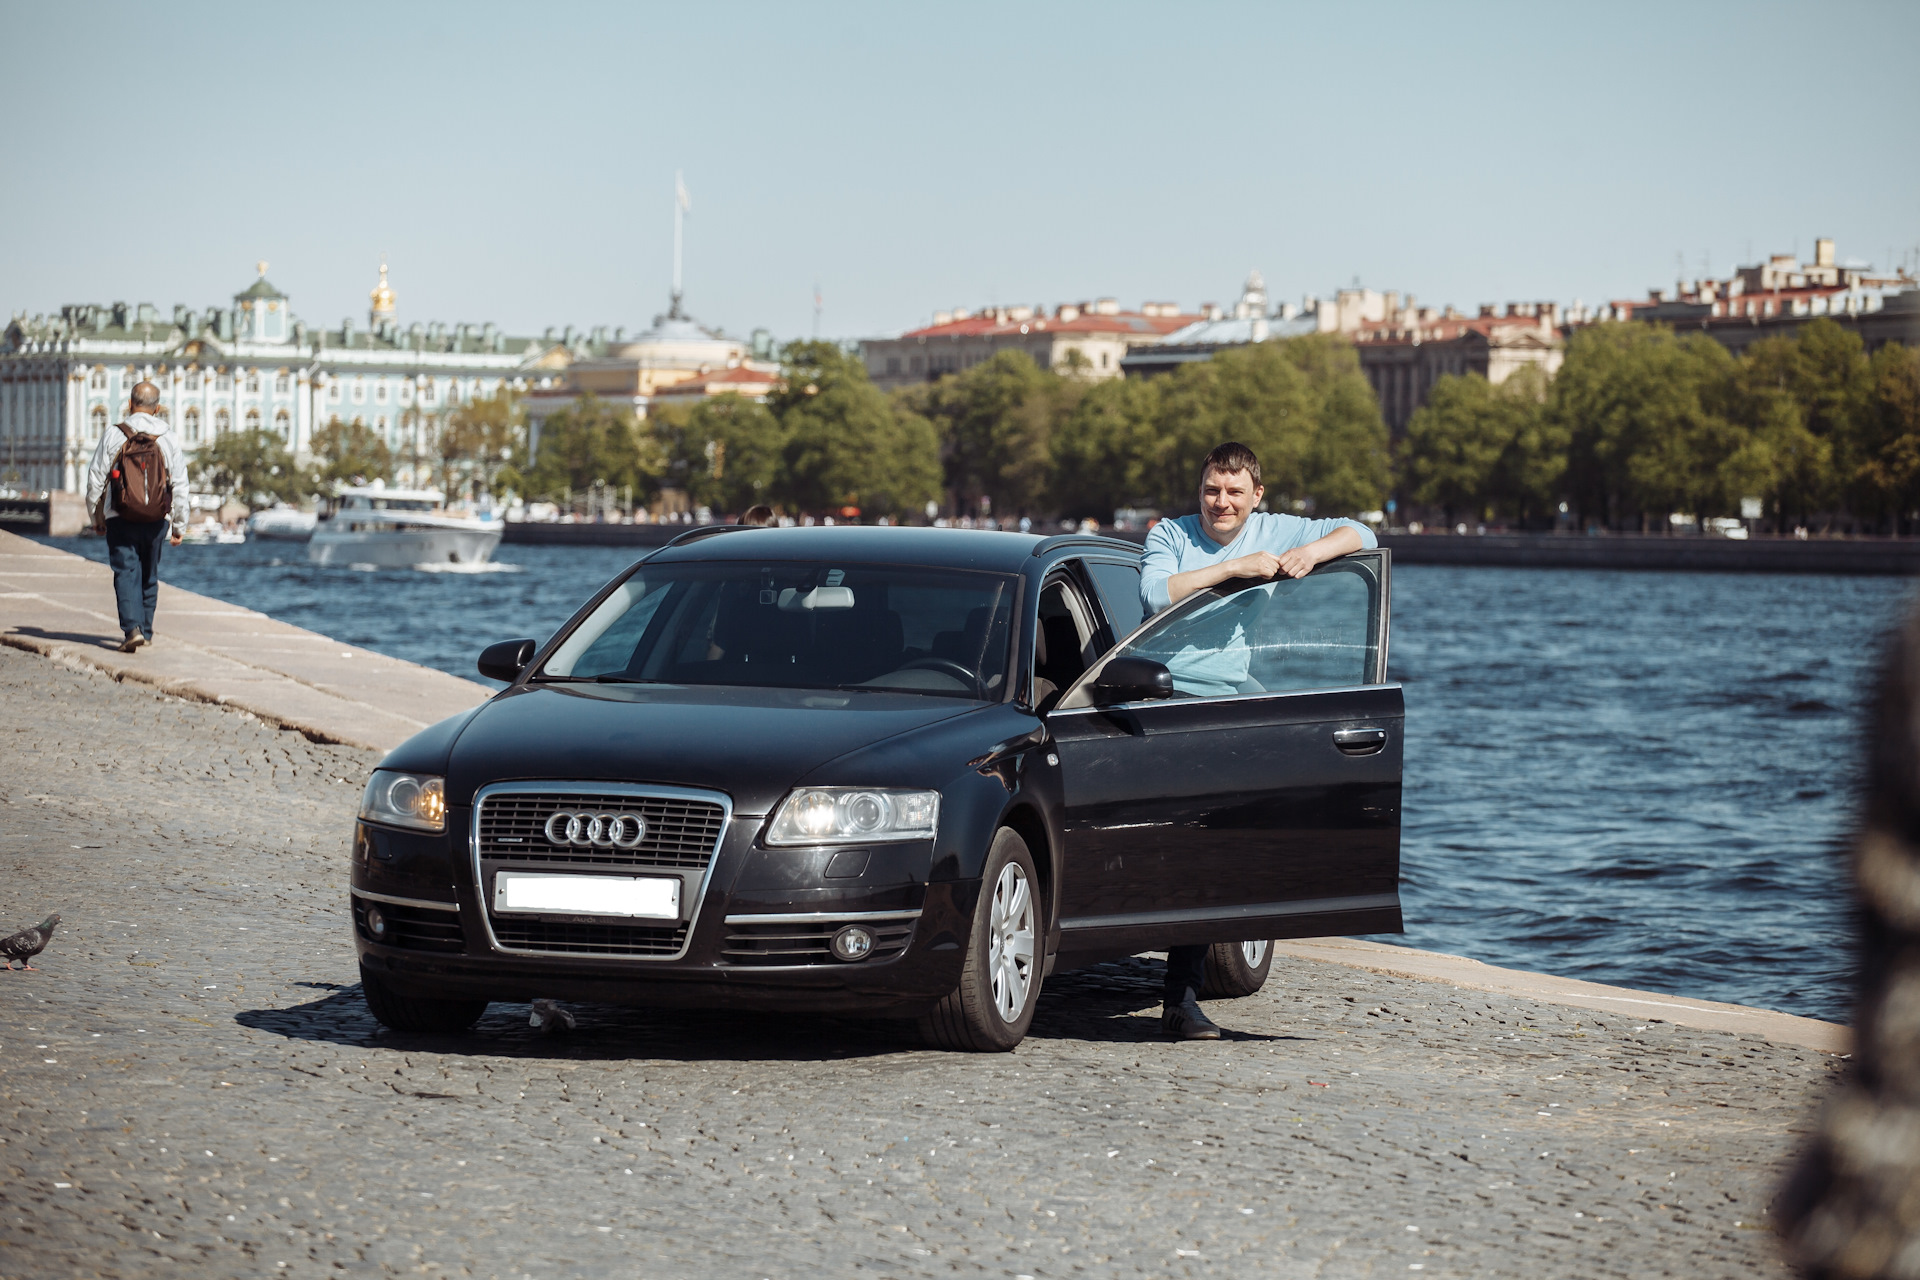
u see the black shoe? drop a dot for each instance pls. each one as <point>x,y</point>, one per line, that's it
<point>133,641</point>
<point>1186,1022</point>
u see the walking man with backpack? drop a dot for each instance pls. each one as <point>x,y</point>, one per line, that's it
<point>137,492</point>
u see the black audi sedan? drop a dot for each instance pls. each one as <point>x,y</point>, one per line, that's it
<point>895,771</point>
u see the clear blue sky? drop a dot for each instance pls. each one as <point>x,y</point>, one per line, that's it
<point>516,161</point>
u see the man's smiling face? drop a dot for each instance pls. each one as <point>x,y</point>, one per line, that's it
<point>1227,498</point>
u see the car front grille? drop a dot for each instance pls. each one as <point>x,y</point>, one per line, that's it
<point>805,942</point>
<point>680,833</point>
<point>412,928</point>
<point>522,934</point>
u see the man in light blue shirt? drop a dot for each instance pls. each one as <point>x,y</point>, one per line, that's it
<point>1227,539</point>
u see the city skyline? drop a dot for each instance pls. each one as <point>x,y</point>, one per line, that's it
<point>1070,154</point>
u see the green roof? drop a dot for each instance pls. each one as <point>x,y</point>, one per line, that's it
<point>260,289</point>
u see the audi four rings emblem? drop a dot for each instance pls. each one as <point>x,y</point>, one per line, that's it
<point>597,830</point>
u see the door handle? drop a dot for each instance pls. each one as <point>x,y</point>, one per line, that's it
<point>1359,742</point>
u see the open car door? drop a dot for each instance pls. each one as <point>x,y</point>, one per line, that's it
<point>1232,770</point>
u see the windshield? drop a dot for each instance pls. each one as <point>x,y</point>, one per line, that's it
<point>797,625</point>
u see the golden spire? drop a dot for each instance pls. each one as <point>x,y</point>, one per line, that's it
<point>382,295</point>
<point>261,267</point>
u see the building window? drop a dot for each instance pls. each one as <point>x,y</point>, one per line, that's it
<point>380,392</point>
<point>359,391</point>
<point>282,383</point>
<point>253,381</point>
<point>333,393</point>
<point>281,423</point>
<point>222,422</point>
<point>380,425</point>
<point>253,419</point>
<point>223,381</point>
<point>193,379</point>
<point>99,419</point>
<point>99,380</point>
<point>128,374</point>
<point>426,394</point>
<point>191,420</point>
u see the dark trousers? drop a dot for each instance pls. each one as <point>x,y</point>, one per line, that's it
<point>1186,970</point>
<point>133,549</point>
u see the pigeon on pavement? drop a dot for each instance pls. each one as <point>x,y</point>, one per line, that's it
<point>550,1017</point>
<point>28,943</point>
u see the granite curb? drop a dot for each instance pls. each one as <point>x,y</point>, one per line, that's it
<point>60,606</point>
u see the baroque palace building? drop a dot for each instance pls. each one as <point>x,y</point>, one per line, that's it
<point>65,379</point>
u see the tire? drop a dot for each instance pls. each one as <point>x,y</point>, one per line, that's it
<point>991,1009</point>
<point>410,1013</point>
<point>1236,969</point>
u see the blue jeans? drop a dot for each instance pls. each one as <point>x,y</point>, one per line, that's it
<point>1186,970</point>
<point>133,549</point>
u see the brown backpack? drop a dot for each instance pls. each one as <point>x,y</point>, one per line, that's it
<point>142,489</point>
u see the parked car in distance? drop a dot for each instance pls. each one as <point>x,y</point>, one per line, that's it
<point>894,771</point>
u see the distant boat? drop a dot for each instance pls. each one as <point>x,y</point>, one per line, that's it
<point>282,524</point>
<point>397,529</point>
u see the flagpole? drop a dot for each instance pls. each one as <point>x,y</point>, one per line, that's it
<point>679,211</point>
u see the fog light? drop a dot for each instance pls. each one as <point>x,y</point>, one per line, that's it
<point>852,943</point>
<point>376,923</point>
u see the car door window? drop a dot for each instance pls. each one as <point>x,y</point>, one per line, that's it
<point>1119,588</point>
<point>1317,632</point>
<point>1063,641</point>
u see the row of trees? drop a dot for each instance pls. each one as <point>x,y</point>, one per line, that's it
<point>1640,423</point>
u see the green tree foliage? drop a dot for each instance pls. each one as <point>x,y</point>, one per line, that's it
<point>1645,418</point>
<point>847,444</point>
<point>482,440</point>
<point>1491,451</point>
<point>1301,404</point>
<point>997,423</point>
<point>727,452</point>
<point>592,442</point>
<point>1886,476</point>
<point>350,453</point>
<point>254,467</point>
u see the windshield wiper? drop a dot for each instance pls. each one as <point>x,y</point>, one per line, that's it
<point>619,679</point>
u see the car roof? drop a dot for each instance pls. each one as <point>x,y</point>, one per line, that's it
<point>882,544</point>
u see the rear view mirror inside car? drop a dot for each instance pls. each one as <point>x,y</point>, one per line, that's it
<point>793,600</point>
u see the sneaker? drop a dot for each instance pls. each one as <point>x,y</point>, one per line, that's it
<point>1186,1022</point>
<point>133,641</point>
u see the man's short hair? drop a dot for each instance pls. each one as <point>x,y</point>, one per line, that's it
<point>146,395</point>
<point>1232,456</point>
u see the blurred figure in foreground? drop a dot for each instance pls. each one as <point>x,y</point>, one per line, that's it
<point>1851,1207</point>
<point>761,514</point>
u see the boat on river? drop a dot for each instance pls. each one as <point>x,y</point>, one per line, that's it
<point>282,523</point>
<point>398,529</point>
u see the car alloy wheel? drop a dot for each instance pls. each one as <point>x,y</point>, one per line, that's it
<point>1010,941</point>
<point>991,1008</point>
<point>1236,969</point>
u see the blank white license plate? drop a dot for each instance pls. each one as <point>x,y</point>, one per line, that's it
<point>631,897</point>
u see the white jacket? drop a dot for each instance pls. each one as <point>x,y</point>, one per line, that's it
<point>109,448</point>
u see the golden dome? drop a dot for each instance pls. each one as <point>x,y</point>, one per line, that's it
<point>381,296</point>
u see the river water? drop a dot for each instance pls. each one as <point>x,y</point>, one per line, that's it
<point>1636,778</point>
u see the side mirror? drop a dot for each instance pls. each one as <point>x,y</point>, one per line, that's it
<point>1132,680</point>
<point>506,660</point>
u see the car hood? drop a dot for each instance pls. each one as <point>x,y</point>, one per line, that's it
<point>753,744</point>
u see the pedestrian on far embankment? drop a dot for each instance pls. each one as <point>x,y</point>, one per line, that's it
<point>137,492</point>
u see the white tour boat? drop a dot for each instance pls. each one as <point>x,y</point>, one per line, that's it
<point>282,523</point>
<point>397,529</point>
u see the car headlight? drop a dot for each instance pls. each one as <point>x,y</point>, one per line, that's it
<point>414,800</point>
<point>854,815</point>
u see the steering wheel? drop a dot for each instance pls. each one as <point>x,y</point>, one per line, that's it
<point>946,667</point>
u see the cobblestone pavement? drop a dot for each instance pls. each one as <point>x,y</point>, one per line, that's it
<point>192,1085</point>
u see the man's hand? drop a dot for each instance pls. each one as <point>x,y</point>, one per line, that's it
<point>1299,562</point>
<point>173,540</point>
<point>100,527</point>
<point>1261,564</point>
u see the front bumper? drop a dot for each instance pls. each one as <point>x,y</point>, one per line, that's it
<point>756,938</point>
